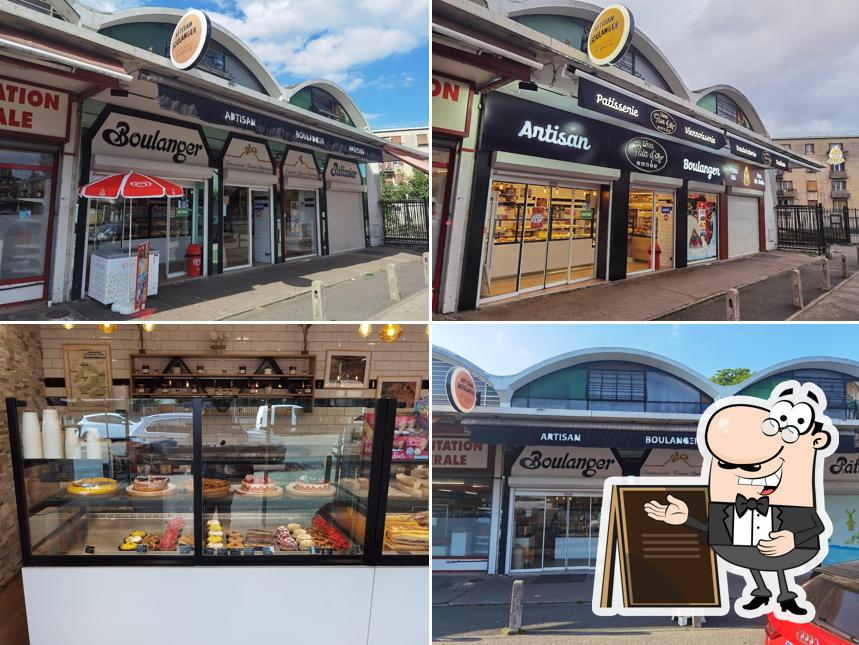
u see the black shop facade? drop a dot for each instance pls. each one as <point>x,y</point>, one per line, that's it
<point>611,187</point>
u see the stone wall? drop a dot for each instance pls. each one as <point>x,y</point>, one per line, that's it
<point>20,376</point>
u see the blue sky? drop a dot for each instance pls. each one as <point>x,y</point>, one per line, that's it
<point>377,50</point>
<point>505,349</point>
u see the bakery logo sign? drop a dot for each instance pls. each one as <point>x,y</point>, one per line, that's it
<point>610,35</point>
<point>701,168</point>
<point>152,140</point>
<point>461,389</point>
<point>588,465</point>
<point>552,134</point>
<point>190,39</point>
<point>646,154</point>
<point>663,121</point>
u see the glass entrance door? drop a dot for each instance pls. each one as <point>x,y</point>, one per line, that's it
<point>535,235</point>
<point>554,532</point>
<point>180,218</point>
<point>650,231</point>
<point>299,231</point>
<point>503,240</point>
<point>237,227</point>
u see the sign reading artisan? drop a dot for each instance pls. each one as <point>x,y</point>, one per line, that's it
<point>610,35</point>
<point>190,39</point>
<point>31,109</point>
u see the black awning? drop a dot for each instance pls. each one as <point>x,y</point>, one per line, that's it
<point>223,114</point>
<point>512,435</point>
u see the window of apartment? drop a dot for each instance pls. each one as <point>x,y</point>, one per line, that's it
<point>787,184</point>
<point>812,202</point>
<point>423,139</point>
<point>809,148</point>
<point>811,186</point>
<point>786,146</point>
<point>836,145</point>
<point>839,167</point>
<point>396,139</point>
<point>839,185</point>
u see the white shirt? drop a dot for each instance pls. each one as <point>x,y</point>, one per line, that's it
<point>752,527</point>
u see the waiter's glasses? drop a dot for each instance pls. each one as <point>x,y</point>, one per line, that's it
<point>770,428</point>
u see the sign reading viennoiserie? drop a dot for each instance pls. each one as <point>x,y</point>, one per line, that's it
<point>190,39</point>
<point>605,100</point>
<point>610,35</point>
<point>516,125</point>
<point>219,113</point>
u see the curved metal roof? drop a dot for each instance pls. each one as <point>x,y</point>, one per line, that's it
<point>338,93</point>
<point>842,365</point>
<point>740,99</point>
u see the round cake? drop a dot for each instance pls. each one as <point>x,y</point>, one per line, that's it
<point>311,486</point>
<point>150,483</point>
<point>92,486</point>
<point>215,487</point>
<point>251,484</point>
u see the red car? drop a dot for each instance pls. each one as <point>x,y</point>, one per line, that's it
<point>834,592</point>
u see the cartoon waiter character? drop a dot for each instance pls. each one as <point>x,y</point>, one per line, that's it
<point>766,514</point>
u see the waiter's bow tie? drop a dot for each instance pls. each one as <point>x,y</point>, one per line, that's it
<point>761,505</point>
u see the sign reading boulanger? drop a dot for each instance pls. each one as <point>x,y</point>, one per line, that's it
<point>578,462</point>
<point>31,109</point>
<point>123,135</point>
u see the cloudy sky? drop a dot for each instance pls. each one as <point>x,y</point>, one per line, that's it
<point>377,50</point>
<point>797,60</point>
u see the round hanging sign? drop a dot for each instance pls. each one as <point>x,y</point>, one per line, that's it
<point>461,389</point>
<point>190,39</point>
<point>610,35</point>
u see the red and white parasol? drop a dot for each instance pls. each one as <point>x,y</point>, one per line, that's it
<point>130,185</point>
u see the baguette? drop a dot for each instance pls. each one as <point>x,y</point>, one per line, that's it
<point>413,491</point>
<point>407,480</point>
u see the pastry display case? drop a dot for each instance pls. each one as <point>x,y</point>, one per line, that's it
<point>200,480</point>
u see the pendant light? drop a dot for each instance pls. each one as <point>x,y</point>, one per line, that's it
<point>365,329</point>
<point>149,327</point>
<point>390,333</point>
<point>107,328</point>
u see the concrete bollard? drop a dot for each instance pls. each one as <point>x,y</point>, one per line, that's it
<point>796,279</point>
<point>426,268</point>
<point>843,266</point>
<point>317,299</point>
<point>516,605</point>
<point>857,253</point>
<point>827,284</point>
<point>393,283</point>
<point>828,252</point>
<point>732,304</point>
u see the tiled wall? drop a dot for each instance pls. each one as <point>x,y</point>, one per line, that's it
<point>21,377</point>
<point>407,357</point>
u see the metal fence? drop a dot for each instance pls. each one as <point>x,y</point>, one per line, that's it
<point>813,228</point>
<point>406,223</point>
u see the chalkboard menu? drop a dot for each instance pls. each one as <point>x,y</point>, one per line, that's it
<point>660,565</point>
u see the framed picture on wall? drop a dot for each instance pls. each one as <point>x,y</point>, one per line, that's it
<point>87,371</point>
<point>347,369</point>
<point>406,389</point>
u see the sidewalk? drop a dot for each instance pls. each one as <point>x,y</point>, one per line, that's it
<point>353,289</point>
<point>842,303</point>
<point>647,297</point>
<point>474,608</point>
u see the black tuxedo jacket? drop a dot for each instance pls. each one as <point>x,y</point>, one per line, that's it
<point>803,522</point>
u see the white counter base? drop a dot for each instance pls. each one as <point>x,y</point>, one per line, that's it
<point>344,605</point>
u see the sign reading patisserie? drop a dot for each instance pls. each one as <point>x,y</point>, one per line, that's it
<point>190,39</point>
<point>36,110</point>
<point>461,389</point>
<point>610,35</point>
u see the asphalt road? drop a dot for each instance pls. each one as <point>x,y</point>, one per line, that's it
<point>566,623</point>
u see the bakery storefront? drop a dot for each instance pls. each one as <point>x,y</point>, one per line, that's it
<point>299,235</point>
<point>34,122</point>
<point>345,217</point>
<point>613,187</point>
<point>184,459</point>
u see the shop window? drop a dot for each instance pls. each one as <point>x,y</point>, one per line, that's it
<point>809,148</point>
<point>703,221</point>
<point>461,512</point>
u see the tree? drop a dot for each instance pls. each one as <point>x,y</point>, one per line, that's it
<point>416,186</point>
<point>731,375</point>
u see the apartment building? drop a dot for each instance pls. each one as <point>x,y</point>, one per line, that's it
<point>417,138</point>
<point>830,187</point>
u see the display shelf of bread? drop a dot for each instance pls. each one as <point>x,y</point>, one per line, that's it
<point>407,533</point>
<point>409,481</point>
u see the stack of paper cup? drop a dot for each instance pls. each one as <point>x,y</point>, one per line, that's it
<point>52,436</point>
<point>93,445</point>
<point>73,444</point>
<point>31,436</point>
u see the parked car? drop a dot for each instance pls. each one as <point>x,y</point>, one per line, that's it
<point>834,592</point>
<point>108,425</point>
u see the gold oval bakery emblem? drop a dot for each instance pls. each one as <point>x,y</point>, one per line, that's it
<point>461,390</point>
<point>610,35</point>
<point>190,39</point>
<point>663,121</point>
